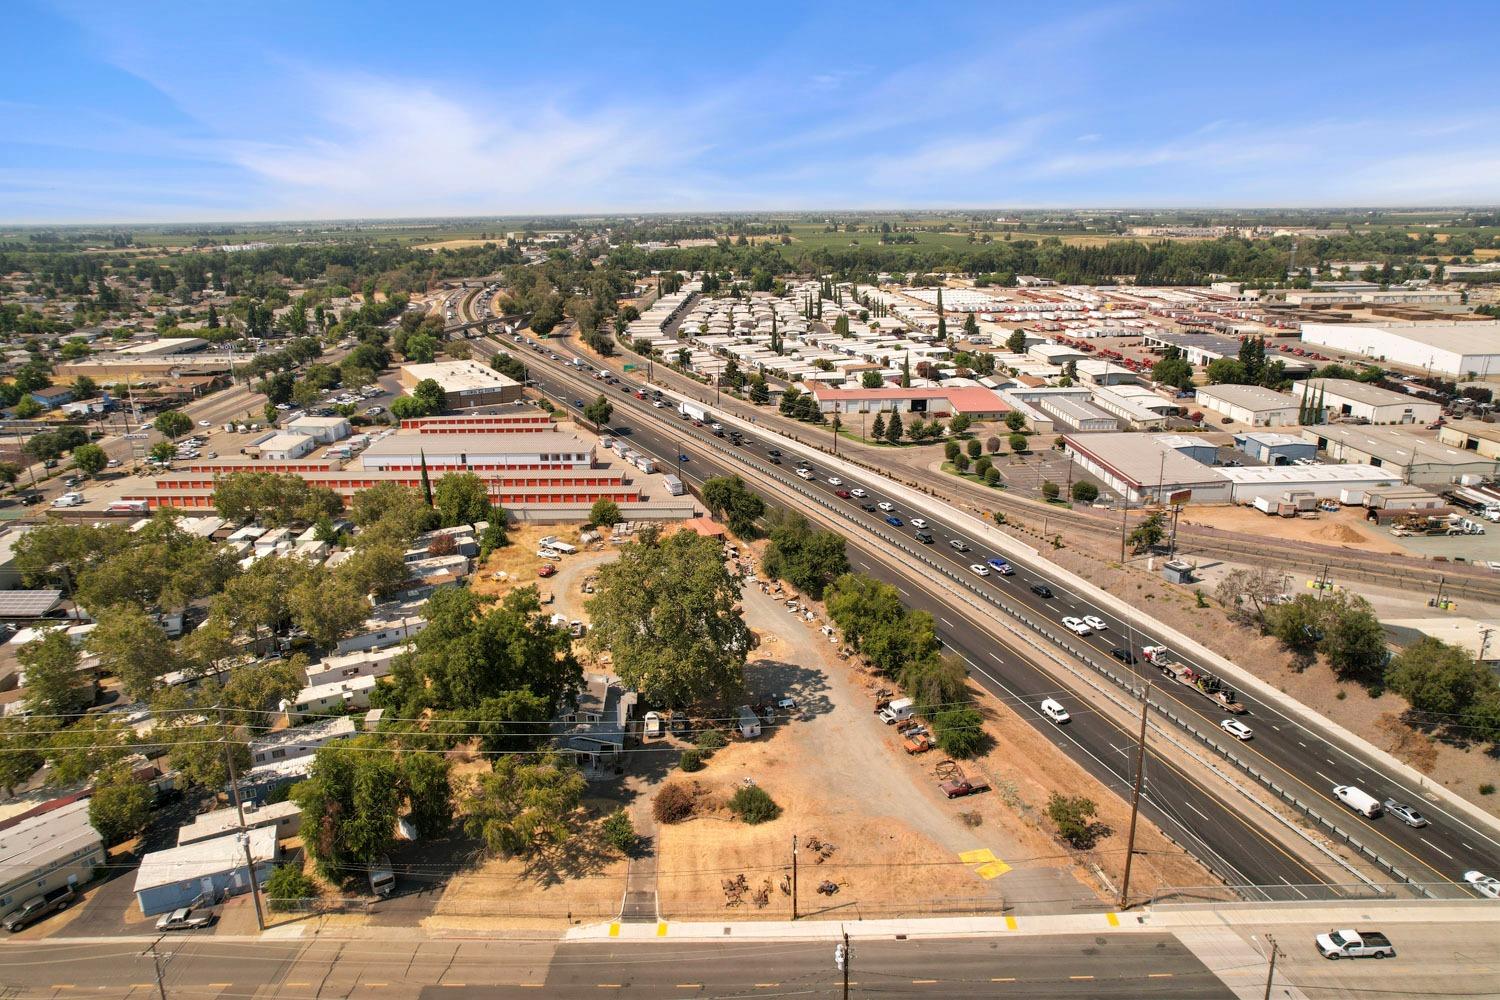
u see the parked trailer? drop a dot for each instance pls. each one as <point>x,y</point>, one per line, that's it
<point>1201,681</point>
<point>674,486</point>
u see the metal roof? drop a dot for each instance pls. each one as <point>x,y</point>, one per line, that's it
<point>28,603</point>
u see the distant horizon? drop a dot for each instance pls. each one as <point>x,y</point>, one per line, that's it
<point>171,112</point>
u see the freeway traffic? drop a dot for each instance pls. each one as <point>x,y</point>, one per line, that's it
<point>1281,745</point>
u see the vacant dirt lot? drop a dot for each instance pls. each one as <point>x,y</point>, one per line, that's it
<point>1345,528</point>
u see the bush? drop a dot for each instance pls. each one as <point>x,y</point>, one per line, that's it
<point>991,476</point>
<point>711,739</point>
<point>1051,490</point>
<point>288,888</point>
<point>950,449</point>
<point>691,760</point>
<point>960,732</point>
<point>974,448</point>
<point>1085,492</point>
<point>1019,444</point>
<point>605,513</point>
<point>673,804</point>
<point>983,466</point>
<point>619,831</point>
<point>1487,789</point>
<point>752,805</point>
<point>1073,815</point>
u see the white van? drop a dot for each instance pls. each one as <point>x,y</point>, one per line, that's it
<point>1359,800</point>
<point>897,711</point>
<point>1054,711</point>
<point>382,878</point>
<point>69,500</point>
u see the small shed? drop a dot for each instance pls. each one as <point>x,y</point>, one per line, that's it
<point>176,877</point>
<point>748,722</point>
<point>1177,571</point>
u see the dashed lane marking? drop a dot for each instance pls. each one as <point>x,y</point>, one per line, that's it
<point>1322,775</point>
<point>1437,848</point>
<point>1002,979</point>
<point>1081,979</point>
<point>923,982</point>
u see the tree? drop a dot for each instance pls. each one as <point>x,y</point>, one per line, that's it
<point>133,647</point>
<point>1015,420</point>
<point>1019,443</point>
<point>1299,625</point>
<point>1073,815</point>
<point>871,380</point>
<point>461,498</point>
<point>1016,342</point>
<point>349,804</point>
<point>973,448</point>
<point>273,500</point>
<point>421,349</point>
<point>53,684</point>
<point>524,805</point>
<point>90,459</point>
<point>162,452</point>
<point>951,449</point>
<point>960,732</point>
<point>1354,642</point>
<point>1085,492</point>
<point>1248,594</point>
<point>288,888</point>
<point>875,623</point>
<point>1442,682</point>
<point>877,429</point>
<point>1050,490</point>
<point>9,473</point>
<point>598,412</point>
<point>667,610</point>
<point>394,511</point>
<point>1149,533</point>
<point>121,805</point>
<point>807,559</point>
<point>1226,371</point>
<point>426,780</point>
<point>960,463</point>
<point>326,607</point>
<point>172,423</point>
<point>20,753</point>
<point>893,429</point>
<point>1173,370</point>
<point>429,394</point>
<point>960,423</point>
<point>971,327</point>
<point>605,512</point>
<point>728,497</point>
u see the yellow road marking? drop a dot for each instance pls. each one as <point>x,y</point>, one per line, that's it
<point>1114,920</point>
<point>1010,923</point>
<point>661,929</point>
<point>923,982</point>
<point>614,929</point>
<point>1159,975</point>
<point>1081,978</point>
<point>1004,979</point>
<point>992,869</point>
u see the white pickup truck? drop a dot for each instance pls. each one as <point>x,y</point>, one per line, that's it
<point>1355,944</point>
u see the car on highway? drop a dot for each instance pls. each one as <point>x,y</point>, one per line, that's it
<point>805,473</point>
<point>886,506</point>
<point>857,492</point>
<point>578,403</point>
<point>184,919</point>
<point>842,494</point>
<point>1122,654</point>
<point>894,521</point>
<point>1483,884</point>
<point>69,500</point>
<point>774,459</point>
<point>1054,711</point>
<point>1405,813</point>
<point>1095,622</point>
<point>1077,626</point>
<point>774,452</point>
<point>959,545</point>
<point>1000,565</point>
<point>918,522</point>
<point>835,481</point>
<point>1041,590</point>
<point>1236,728</point>
<point>979,569</point>
<point>867,507</point>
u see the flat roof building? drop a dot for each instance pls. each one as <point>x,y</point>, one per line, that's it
<point>52,848</point>
<point>466,384</point>
<point>283,447</point>
<point>1272,448</point>
<point>1139,467</point>
<point>1251,404</point>
<point>1408,458</point>
<point>1347,483</point>
<point>1458,349</point>
<point>178,876</point>
<point>478,452</point>
<point>285,816</point>
<point>324,430</point>
<point>1347,397</point>
<point>1472,435</point>
<point>975,401</point>
<point>1078,414</point>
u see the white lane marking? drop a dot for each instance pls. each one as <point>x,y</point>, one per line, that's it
<point>946,622</point>
<point>1322,775</point>
<point>1198,811</point>
<point>1466,846</point>
<point>996,658</point>
<point>902,589</point>
<point>1437,848</point>
<point>1293,887</point>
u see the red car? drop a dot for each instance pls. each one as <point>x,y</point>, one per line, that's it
<point>842,494</point>
<point>546,569</point>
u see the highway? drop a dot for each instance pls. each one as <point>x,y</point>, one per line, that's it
<point>1282,747</point>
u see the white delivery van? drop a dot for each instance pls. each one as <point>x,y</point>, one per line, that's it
<point>1360,801</point>
<point>749,723</point>
<point>897,711</point>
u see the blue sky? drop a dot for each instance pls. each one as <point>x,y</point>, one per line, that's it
<point>133,111</point>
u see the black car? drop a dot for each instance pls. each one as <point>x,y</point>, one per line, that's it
<point>775,460</point>
<point>774,453</point>
<point>1123,655</point>
<point>1041,590</point>
<point>868,506</point>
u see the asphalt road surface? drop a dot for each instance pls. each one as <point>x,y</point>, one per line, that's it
<point>1293,754</point>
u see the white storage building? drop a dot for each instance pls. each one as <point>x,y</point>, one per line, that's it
<point>1349,398</point>
<point>1460,350</point>
<point>1250,404</point>
<point>1346,483</point>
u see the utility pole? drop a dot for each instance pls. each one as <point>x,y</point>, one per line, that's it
<point>1271,972</point>
<point>239,806</point>
<point>161,990</point>
<point>794,876</point>
<point>847,959</point>
<point>1135,796</point>
<point>1124,513</point>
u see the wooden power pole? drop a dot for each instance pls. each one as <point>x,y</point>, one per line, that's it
<point>1135,796</point>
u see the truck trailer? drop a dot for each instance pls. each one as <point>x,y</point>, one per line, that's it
<point>1201,681</point>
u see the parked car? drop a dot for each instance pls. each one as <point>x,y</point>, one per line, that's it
<point>184,919</point>
<point>1483,884</point>
<point>1405,813</point>
<point>1236,728</point>
<point>546,569</point>
<point>1054,711</point>
<point>38,907</point>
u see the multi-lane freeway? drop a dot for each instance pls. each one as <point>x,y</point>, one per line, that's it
<point>1297,756</point>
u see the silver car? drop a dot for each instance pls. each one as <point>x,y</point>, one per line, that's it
<point>1405,813</point>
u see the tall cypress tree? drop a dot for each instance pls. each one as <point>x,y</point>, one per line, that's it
<point>426,482</point>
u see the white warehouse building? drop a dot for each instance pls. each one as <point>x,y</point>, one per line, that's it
<point>1460,350</point>
<point>1250,404</point>
<point>1348,398</point>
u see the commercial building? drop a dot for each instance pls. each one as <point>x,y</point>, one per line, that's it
<point>1472,435</point>
<point>1078,414</point>
<point>47,849</point>
<point>1460,350</point>
<point>324,430</point>
<point>1139,467</point>
<point>285,817</point>
<point>465,384</point>
<point>478,452</point>
<point>179,876</point>
<point>1479,638</point>
<point>1275,449</point>
<point>1371,403</point>
<point>1411,459</point>
<point>1345,483</point>
<point>975,402</point>
<point>282,447</point>
<point>1250,404</point>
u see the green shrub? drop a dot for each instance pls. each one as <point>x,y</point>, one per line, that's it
<point>691,760</point>
<point>1073,815</point>
<point>960,732</point>
<point>289,889</point>
<point>619,831</point>
<point>1050,490</point>
<point>991,476</point>
<point>710,740</point>
<point>752,805</point>
<point>1487,789</point>
<point>673,804</point>
<point>1085,492</point>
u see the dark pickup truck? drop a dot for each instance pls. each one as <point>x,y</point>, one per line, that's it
<point>37,907</point>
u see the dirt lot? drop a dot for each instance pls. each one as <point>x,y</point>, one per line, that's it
<point>1345,528</point>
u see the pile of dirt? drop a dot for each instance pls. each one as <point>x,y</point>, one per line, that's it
<point>1340,533</point>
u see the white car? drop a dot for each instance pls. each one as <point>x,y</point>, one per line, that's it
<point>856,492</point>
<point>1054,711</point>
<point>886,506</point>
<point>835,481</point>
<point>979,569</point>
<point>1095,622</point>
<point>1483,884</point>
<point>918,522</point>
<point>805,473</point>
<point>1077,626</point>
<point>1236,728</point>
<point>205,423</point>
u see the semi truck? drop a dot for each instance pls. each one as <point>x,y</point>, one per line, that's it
<point>692,411</point>
<point>1201,681</point>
